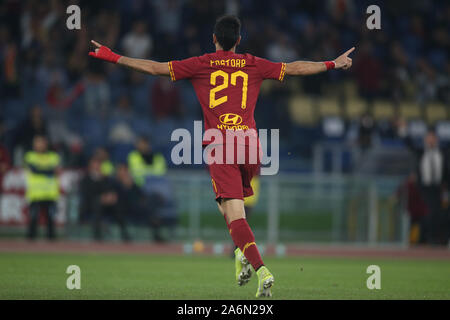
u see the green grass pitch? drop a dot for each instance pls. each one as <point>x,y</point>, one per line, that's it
<point>126,276</point>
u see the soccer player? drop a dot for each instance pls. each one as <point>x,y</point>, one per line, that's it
<point>227,86</point>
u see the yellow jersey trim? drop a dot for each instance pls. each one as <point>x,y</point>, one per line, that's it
<point>282,72</point>
<point>172,74</point>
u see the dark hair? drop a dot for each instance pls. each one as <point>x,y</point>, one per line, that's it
<point>431,130</point>
<point>40,136</point>
<point>227,31</point>
<point>144,138</point>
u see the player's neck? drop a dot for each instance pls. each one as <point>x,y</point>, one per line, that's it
<point>219,48</point>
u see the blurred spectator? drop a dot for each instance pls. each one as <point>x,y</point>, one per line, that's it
<point>166,102</point>
<point>99,200</point>
<point>416,207</point>
<point>74,152</point>
<point>148,170</point>
<point>5,159</point>
<point>368,70</point>
<point>144,163</point>
<point>281,49</point>
<point>42,188</point>
<point>97,95</point>
<point>124,110</point>
<point>168,16</point>
<point>140,208</point>
<point>59,99</point>
<point>33,125</point>
<point>430,172</point>
<point>138,43</point>
<point>106,166</point>
<point>365,132</point>
<point>121,133</point>
<point>10,67</point>
<point>400,75</point>
<point>426,81</point>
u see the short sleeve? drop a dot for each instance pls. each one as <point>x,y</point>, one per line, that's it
<point>271,70</point>
<point>183,69</point>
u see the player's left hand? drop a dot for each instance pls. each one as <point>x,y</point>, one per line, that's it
<point>343,61</point>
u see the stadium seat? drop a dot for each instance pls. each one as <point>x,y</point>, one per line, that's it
<point>350,89</point>
<point>410,111</point>
<point>435,112</point>
<point>329,107</point>
<point>443,130</point>
<point>140,99</point>
<point>120,151</point>
<point>301,110</point>
<point>354,108</point>
<point>383,110</point>
<point>142,126</point>
<point>93,130</point>
<point>161,131</point>
<point>15,111</point>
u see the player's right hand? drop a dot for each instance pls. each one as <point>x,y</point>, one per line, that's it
<point>104,53</point>
<point>343,61</point>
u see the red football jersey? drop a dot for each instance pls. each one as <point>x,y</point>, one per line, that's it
<point>227,86</point>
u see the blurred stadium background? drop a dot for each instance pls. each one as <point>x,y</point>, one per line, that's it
<point>347,175</point>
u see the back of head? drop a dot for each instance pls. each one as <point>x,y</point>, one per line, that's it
<point>143,144</point>
<point>227,31</point>
<point>431,139</point>
<point>94,166</point>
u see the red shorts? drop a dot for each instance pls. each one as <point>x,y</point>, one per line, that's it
<point>232,180</point>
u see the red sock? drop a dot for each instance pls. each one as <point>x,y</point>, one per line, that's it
<point>243,237</point>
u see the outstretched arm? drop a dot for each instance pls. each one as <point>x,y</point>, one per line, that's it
<point>145,66</point>
<point>304,68</point>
